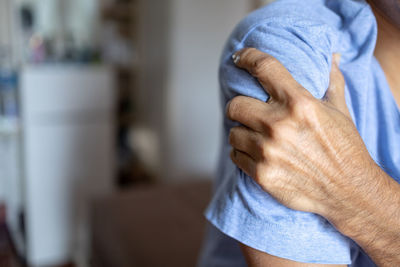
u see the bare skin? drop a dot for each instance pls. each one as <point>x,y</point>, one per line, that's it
<point>257,258</point>
<point>390,9</point>
<point>387,50</point>
<point>309,155</point>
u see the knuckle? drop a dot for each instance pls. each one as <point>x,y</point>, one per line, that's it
<point>304,102</point>
<point>270,153</point>
<point>304,106</point>
<point>261,148</point>
<point>249,52</point>
<point>259,173</point>
<point>233,108</point>
<point>233,133</point>
<point>261,64</point>
<point>279,130</point>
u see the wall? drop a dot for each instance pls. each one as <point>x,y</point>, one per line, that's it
<point>180,42</point>
<point>198,31</point>
<point>4,23</point>
<point>153,63</point>
<point>8,55</point>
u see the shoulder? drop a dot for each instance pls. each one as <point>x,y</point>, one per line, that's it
<point>302,35</point>
<point>287,14</point>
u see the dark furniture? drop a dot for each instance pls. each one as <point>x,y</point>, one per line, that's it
<point>150,226</point>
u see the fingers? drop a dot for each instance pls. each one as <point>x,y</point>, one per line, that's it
<point>335,94</point>
<point>272,75</point>
<point>248,111</point>
<point>246,140</point>
<point>244,162</point>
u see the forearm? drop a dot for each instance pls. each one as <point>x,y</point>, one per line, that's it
<point>309,156</point>
<point>372,218</point>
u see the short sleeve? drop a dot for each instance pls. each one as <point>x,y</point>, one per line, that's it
<point>240,208</point>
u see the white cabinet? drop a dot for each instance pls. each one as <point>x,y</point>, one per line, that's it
<point>68,152</point>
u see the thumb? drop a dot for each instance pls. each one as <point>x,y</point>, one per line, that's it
<point>335,93</point>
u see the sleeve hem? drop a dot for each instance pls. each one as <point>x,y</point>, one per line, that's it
<point>278,251</point>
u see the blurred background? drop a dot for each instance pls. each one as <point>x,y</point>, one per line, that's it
<point>109,128</point>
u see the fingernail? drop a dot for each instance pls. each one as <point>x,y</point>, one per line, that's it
<point>236,58</point>
<point>336,58</point>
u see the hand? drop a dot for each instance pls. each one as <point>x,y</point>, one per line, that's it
<point>305,152</point>
<point>308,154</point>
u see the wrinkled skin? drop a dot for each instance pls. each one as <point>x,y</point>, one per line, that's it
<point>308,154</point>
<point>296,146</point>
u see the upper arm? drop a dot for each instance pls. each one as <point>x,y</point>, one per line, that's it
<point>256,258</point>
<point>240,208</point>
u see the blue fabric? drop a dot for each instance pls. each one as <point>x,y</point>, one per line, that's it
<point>302,35</point>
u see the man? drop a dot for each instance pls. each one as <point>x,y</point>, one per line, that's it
<point>306,153</point>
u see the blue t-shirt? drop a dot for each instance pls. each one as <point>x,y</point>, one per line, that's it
<point>302,35</point>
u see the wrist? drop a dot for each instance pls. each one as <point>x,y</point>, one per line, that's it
<point>359,201</point>
<point>352,198</point>
<point>362,203</point>
<point>371,216</point>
